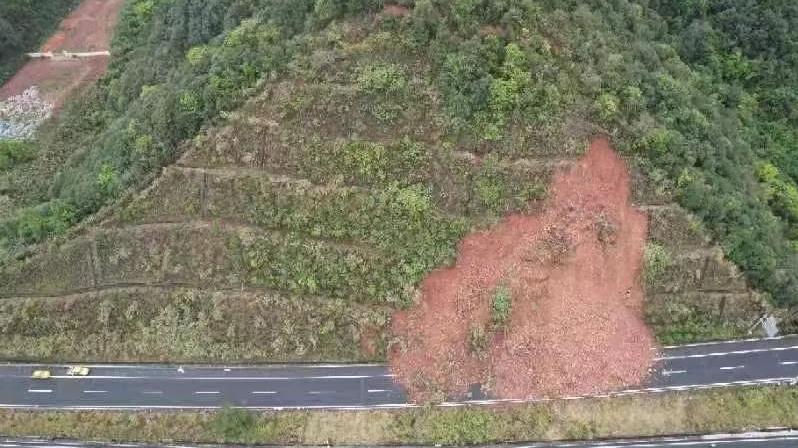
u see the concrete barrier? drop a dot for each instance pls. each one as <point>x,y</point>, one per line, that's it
<point>68,55</point>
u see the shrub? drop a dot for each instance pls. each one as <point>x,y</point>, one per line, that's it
<point>657,259</point>
<point>501,305</point>
<point>234,424</point>
<point>478,341</point>
<point>381,79</point>
<point>14,152</point>
<point>33,224</point>
<point>607,106</point>
<point>461,427</point>
<point>107,179</point>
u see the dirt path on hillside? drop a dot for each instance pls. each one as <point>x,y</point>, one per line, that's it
<point>576,322</point>
<point>88,28</point>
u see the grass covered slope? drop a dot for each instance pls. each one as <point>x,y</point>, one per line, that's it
<point>334,152</point>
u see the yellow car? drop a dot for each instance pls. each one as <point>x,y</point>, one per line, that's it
<point>41,374</point>
<point>78,371</point>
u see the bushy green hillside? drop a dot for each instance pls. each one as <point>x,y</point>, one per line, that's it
<point>374,138</point>
<point>744,55</point>
<point>24,24</point>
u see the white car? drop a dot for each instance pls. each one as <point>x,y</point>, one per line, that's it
<point>78,371</point>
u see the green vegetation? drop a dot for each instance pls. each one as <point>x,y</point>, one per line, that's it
<point>183,325</point>
<point>501,305</point>
<point>684,324</point>
<point>479,341</point>
<point>153,97</point>
<point>709,411</point>
<point>24,24</point>
<point>234,424</point>
<point>14,152</point>
<point>656,260</point>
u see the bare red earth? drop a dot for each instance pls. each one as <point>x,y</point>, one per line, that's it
<point>88,28</point>
<point>576,325</point>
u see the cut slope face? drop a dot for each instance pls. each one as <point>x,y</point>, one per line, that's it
<point>571,276</point>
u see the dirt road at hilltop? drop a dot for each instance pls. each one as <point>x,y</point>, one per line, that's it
<point>88,28</point>
<point>572,274</point>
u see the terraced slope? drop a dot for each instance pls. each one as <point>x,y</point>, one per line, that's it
<point>693,292</point>
<point>295,229</point>
<point>288,234</point>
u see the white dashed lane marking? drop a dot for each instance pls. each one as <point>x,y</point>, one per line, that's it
<point>207,392</point>
<point>735,352</point>
<point>377,391</point>
<point>732,367</point>
<point>224,378</point>
<point>264,392</point>
<point>152,392</point>
<point>788,363</point>
<point>40,391</point>
<point>95,391</point>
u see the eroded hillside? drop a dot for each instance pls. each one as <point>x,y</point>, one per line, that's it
<point>293,227</point>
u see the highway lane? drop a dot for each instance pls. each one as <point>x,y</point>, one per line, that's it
<point>771,439</point>
<point>723,364</point>
<point>203,387</point>
<point>728,362</point>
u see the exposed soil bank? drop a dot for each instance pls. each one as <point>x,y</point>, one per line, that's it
<point>572,274</point>
<point>88,28</point>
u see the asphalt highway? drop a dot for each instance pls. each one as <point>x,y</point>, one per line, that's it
<point>772,439</point>
<point>724,364</point>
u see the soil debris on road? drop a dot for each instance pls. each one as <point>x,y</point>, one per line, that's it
<point>568,278</point>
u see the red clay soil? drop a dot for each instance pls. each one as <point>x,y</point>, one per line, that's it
<point>576,325</point>
<point>88,28</point>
